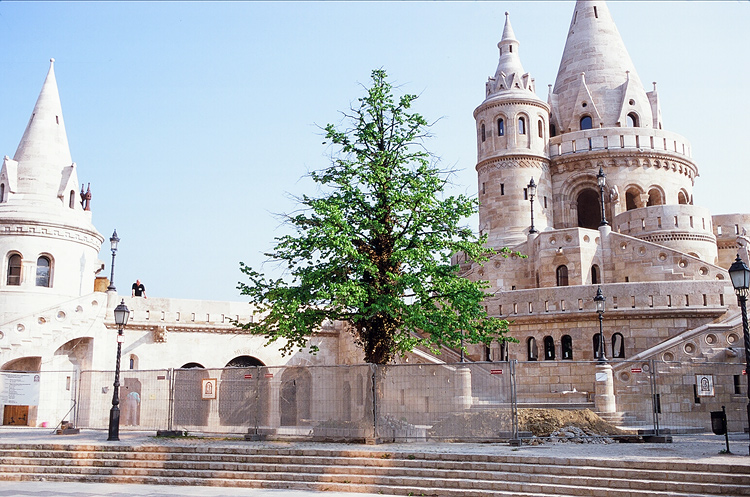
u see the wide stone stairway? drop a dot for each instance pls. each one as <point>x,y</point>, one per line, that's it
<point>369,471</point>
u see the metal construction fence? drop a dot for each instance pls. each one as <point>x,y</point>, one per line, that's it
<point>463,401</point>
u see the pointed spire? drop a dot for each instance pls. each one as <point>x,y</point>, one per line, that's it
<point>509,75</point>
<point>594,47</point>
<point>43,151</point>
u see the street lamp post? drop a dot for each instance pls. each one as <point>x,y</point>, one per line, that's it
<point>113,241</point>
<point>531,191</point>
<point>601,180</point>
<point>122,313</point>
<point>740,275</point>
<point>600,301</point>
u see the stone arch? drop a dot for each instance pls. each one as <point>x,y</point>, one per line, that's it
<point>655,196</point>
<point>523,129</point>
<point>633,197</point>
<point>244,361</point>
<point>571,190</point>
<point>618,346</point>
<point>295,396</point>
<point>549,348</point>
<point>531,349</point>
<point>566,344</point>
<point>683,198</point>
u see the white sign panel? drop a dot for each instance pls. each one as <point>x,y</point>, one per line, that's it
<point>705,384</point>
<point>19,389</point>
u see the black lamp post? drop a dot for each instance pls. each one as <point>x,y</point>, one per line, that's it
<point>600,301</point>
<point>122,313</point>
<point>113,241</point>
<point>740,275</point>
<point>601,180</point>
<point>531,191</point>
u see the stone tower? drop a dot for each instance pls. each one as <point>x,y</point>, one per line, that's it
<point>512,134</point>
<point>48,244</point>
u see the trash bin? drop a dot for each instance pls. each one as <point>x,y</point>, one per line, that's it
<point>719,422</point>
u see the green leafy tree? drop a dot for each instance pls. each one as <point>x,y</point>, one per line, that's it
<point>374,248</point>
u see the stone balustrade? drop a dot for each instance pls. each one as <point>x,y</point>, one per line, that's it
<point>644,139</point>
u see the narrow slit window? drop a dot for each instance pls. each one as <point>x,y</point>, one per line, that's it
<point>500,127</point>
<point>521,126</point>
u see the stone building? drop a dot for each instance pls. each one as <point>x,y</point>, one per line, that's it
<point>660,259</point>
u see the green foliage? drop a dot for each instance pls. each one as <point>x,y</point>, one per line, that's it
<point>374,248</point>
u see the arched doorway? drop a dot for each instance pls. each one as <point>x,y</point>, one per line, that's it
<point>238,392</point>
<point>21,415</point>
<point>589,210</point>
<point>294,403</point>
<point>189,407</point>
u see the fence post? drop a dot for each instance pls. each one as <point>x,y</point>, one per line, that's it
<point>655,401</point>
<point>515,440</point>
<point>170,408</point>
<point>374,369</point>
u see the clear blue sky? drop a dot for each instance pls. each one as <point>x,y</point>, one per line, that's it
<point>192,120</point>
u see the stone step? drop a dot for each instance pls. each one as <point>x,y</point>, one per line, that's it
<point>453,475</point>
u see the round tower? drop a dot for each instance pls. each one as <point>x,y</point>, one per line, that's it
<point>601,116</point>
<point>48,244</point>
<point>512,134</point>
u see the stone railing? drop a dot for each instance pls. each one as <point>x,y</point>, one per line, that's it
<point>645,139</point>
<point>177,312</point>
<point>693,295</point>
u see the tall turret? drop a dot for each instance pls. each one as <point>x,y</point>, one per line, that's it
<point>512,126</point>
<point>596,77</point>
<point>48,245</point>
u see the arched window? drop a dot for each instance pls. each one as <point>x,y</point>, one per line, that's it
<point>72,201</point>
<point>192,365</point>
<point>630,200</point>
<point>586,123</point>
<point>133,362</point>
<point>549,348</point>
<point>500,127</point>
<point>540,126</point>
<point>521,126</point>
<point>503,351</point>
<point>633,120</point>
<point>566,343</point>
<point>43,271</point>
<point>618,346</point>
<point>484,133</point>
<point>244,361</point>
<point>533,352</point>
<point>14,270</point>
<point>595,275</point>
<point>596,346</point>
<point>682,198</point>
<point>654,197</point>
<point>589,209</point>
<point>552,130</point>
<point>562,275</point>
<point>2,192</point>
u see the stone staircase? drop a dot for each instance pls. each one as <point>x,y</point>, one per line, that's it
<point>370,471</point>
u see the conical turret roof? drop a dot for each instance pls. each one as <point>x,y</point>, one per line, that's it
<point>43,152</point>
<point>510,76</point>
<point>596,66</point>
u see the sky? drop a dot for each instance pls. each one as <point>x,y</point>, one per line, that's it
<point>196,122</point>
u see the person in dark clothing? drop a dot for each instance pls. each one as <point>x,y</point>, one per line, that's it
<point>139,290</point>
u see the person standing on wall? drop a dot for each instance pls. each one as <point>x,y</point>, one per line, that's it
<point>139,290</point>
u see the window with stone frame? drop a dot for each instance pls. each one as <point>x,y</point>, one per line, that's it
<point>562,275</point>
<point>532,350</point>
<point>566,344</point>
<point>43,271</point>
<point>549,348</point>
<point>14,270</point>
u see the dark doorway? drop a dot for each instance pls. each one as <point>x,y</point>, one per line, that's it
<point>589,210</point>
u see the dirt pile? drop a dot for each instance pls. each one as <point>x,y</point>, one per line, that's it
<point>544,422</point>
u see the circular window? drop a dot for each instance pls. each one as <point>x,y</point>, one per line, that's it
<point>583,104</point>
<point>682,263</point>
<point>719,276</point>
<point>667,357</point>
<point>79,309</point>
<point>2,335</point>
<point>41,321</point>
<point>689,348</point>
<point>20,327</point>
<point>568,238</point>
<point>703,271</point>
<point>624,376</point>
<point>553,241</point>
<point>631,102</point>
<point>645,367</point>
<point>60,315</point>
<point>662,257</point>
<point>642,250</point>
<point>586,239</point>
<point>710,339</point>
<point>623,245</point>
<point>732,338</point>
<point>94,303</point>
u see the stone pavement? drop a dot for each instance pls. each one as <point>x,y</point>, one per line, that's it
<point>704,448</point>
